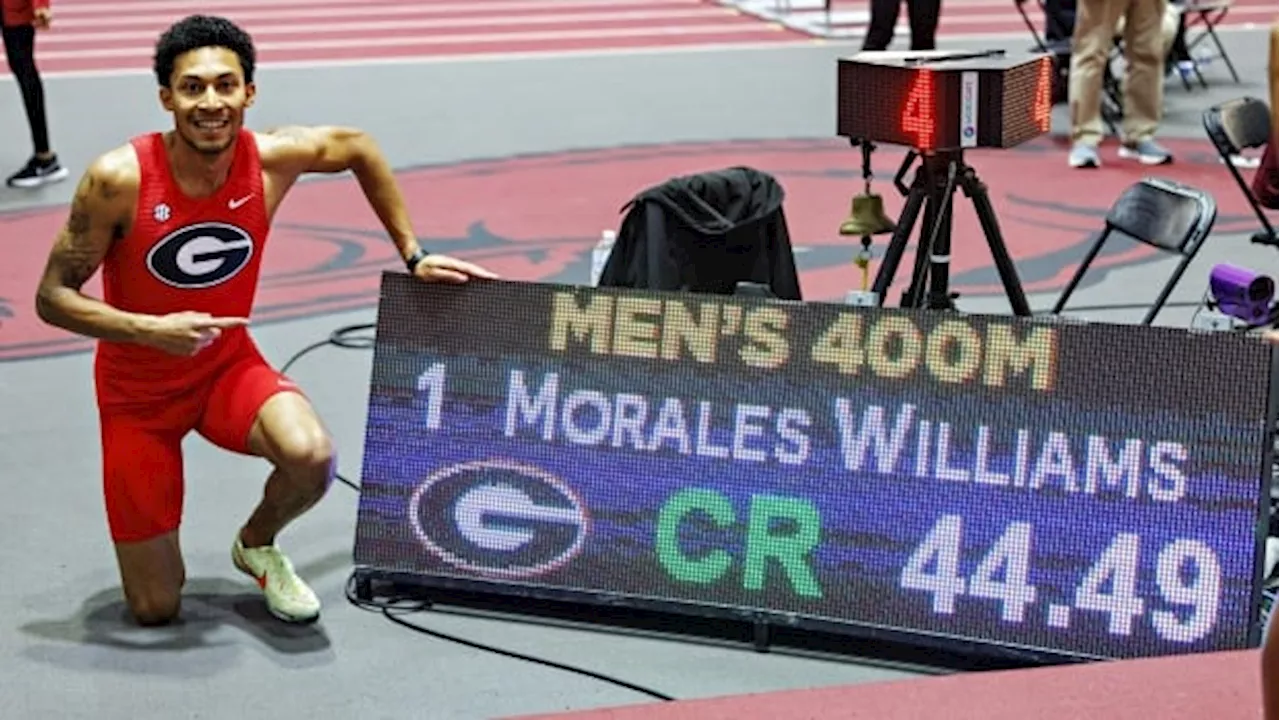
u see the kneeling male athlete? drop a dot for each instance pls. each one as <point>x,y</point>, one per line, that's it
<point>178,222</point>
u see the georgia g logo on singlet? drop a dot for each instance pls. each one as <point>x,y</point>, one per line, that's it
<point>200,255</point>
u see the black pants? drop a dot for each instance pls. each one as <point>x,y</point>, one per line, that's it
<point>1059,20</point>
<point>1179,52</point>
<point>20,51</point>
<point>923,18</point>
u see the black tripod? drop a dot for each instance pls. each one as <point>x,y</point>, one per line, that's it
<point>933,188</point>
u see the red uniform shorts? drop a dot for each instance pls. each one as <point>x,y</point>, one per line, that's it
<point>143,430</point>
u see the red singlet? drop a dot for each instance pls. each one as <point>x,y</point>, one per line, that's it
<point>183,254</point>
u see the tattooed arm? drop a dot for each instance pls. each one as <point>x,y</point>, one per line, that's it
<point>101,211</point>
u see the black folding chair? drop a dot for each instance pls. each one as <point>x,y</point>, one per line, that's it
<point>1209,13</point>
<point>1236,125</point>
<point>1166,215</point>
<point>1181,52</point>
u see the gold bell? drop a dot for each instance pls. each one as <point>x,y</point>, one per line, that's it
<point>867,217</point>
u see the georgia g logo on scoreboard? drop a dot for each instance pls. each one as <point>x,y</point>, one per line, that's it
<point>499,518</point>
<point>201,255</point>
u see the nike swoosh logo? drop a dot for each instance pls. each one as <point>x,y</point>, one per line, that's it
<point>237,203</point>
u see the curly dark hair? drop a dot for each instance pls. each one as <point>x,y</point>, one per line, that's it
<point>200,31</point>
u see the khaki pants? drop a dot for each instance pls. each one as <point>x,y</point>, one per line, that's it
<point>1144,42</point>
<point>1168,28</point>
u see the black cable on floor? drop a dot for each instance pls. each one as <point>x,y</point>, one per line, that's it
<point>350,338</point>
<point>529,658</point>
<point>394,610</point>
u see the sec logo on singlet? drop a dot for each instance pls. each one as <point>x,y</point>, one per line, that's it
<point>499,518</point>
<point>200,256</point>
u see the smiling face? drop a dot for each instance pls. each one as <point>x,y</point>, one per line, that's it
<point>207,95</point>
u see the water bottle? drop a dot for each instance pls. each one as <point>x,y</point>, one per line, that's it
<point>600,255</point>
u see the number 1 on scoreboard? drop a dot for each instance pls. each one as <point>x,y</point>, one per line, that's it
<point>431,382</point>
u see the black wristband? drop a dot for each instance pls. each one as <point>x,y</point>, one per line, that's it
<point>414,259</point>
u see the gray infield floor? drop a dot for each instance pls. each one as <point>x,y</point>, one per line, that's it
<point>68,652</point>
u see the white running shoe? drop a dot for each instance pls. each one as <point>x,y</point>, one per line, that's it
<point>288,597</point>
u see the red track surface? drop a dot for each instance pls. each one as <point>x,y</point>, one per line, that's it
<point>114,35</point>
<point>120,34</point>
<point>1211,686</point>
<point>998,17</point>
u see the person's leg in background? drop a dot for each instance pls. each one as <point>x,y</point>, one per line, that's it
<point>1179,57</point>
<point>923,15</point>
<point>43,167</point>
<point>1091,43</point>
<point>1175,31</point>
<point>1059,23</point>
<point>1266,179</point>
<point>884,18</point>
<point>1170,27</point>
<point>1270,667</point>
<point>1144,47</point>
<point>1059,20</point>
<point>1273,77</point>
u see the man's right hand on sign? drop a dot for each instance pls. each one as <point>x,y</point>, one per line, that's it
<point>444,269</point>
<point>187,333</point>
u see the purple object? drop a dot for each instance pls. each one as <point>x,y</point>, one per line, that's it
<point>1241,293</point>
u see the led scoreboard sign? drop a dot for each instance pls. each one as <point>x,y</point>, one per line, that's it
<point>1019,486</point>
<point>940,99</point>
